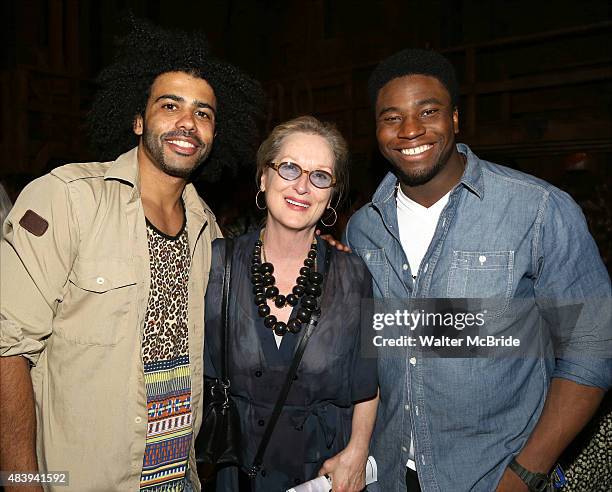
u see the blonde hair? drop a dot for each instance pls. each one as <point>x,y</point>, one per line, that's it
<point>310,125</point>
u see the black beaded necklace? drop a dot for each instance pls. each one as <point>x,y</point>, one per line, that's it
<point>307,288</point>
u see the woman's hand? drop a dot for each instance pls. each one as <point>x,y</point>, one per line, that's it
<point>347,469</point>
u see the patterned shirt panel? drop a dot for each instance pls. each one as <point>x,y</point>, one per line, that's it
<point>165,358</point>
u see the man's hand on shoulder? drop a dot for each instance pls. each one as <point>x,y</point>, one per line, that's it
<point>334,242</point>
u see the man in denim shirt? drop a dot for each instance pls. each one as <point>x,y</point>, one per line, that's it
<point>495,232</point>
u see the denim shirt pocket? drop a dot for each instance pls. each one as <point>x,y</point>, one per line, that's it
<point>376,261</point>
<point>482,275</point>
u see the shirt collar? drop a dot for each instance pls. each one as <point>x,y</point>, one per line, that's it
<point>125,168</point>
<point>194,203</point>
<point>471,179</point>
<point>472,175</point>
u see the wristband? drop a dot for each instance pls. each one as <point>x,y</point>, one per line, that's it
<point>537,482</point>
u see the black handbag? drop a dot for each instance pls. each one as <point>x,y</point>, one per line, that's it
<point>219,439</point>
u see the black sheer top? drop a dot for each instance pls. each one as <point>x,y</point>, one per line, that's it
<point>316,421</point>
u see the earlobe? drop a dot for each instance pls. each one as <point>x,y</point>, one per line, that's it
<point>138,125</point>
<point>456,121</point>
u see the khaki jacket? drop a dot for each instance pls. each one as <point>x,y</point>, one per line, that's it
<point>74,300</point>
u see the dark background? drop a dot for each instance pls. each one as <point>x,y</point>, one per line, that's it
<point>536,77</point>
<point>536,81</point>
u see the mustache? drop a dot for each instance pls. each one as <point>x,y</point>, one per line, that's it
<point>182,133</point>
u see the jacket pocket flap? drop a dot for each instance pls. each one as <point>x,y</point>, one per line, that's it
<point>102,274</point>
<point>485,260</point>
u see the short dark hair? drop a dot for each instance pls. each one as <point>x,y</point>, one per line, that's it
<point>149,51</point>
<point>414,62</point>
<point>270,147</point>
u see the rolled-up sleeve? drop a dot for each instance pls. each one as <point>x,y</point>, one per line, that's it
<point>573,283</point>
<point>35,259</point>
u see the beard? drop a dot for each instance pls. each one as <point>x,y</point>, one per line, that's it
<point>418,178</point>
<point>153,145</point>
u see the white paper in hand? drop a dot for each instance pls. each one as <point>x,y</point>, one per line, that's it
<point>324,484</point>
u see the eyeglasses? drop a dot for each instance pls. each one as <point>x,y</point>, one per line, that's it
<point>292,171</point>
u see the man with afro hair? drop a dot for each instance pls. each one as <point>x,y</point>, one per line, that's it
<point>104,270</point>
<point>446,224</point>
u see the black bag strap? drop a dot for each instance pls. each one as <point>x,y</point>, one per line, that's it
<point>284,392</point>
<point>229,250</point>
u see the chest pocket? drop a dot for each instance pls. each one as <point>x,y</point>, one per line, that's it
<point>97,301</point>
<point>378,266</point>
<point>483,275</point>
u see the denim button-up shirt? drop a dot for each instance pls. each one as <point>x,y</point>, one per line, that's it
<point>469,416</point>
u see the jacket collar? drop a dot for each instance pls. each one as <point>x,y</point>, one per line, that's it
<point>472,176</point>
<point>125,169</point>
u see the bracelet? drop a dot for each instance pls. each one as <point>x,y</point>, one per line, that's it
<point>537,482</point>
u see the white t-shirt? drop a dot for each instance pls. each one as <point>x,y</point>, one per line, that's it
<point>417,225</point>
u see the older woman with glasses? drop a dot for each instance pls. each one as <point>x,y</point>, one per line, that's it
<point>282,276</point>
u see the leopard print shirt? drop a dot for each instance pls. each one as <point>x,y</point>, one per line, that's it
<point>591,469</point>
<point>165,333</point>
<point>165,356</point>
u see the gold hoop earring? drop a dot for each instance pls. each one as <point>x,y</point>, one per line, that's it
<point>257,201</point>
<point>335,217</point>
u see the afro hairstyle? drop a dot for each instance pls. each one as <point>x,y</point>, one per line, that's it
<point>414,62</point>
<point>124,87</point>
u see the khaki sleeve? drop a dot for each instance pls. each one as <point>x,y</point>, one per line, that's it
<point>36,254</point>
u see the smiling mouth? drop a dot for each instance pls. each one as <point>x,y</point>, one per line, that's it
<point>184,148</point>
<point>182,144</point>
<point>416,150</point>
<point>298,204</point>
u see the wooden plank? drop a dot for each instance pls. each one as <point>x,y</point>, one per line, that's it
<point>538,81</point>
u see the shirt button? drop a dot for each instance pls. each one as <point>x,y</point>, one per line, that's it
<point>426,267</point>
<point>258,374</point>
<point>100,280</point>
<point>138,420</point>
<point>405,266</point>
<point>416,410</point>
<point>367,256</point>
<point>404,449</point>
<point>406,406</point>
<point>260,423</point>
<point>482,258</point>
<point>413,361</point>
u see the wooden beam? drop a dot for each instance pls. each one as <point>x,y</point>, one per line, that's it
<point>538,81</point>
<point>56,34</point>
